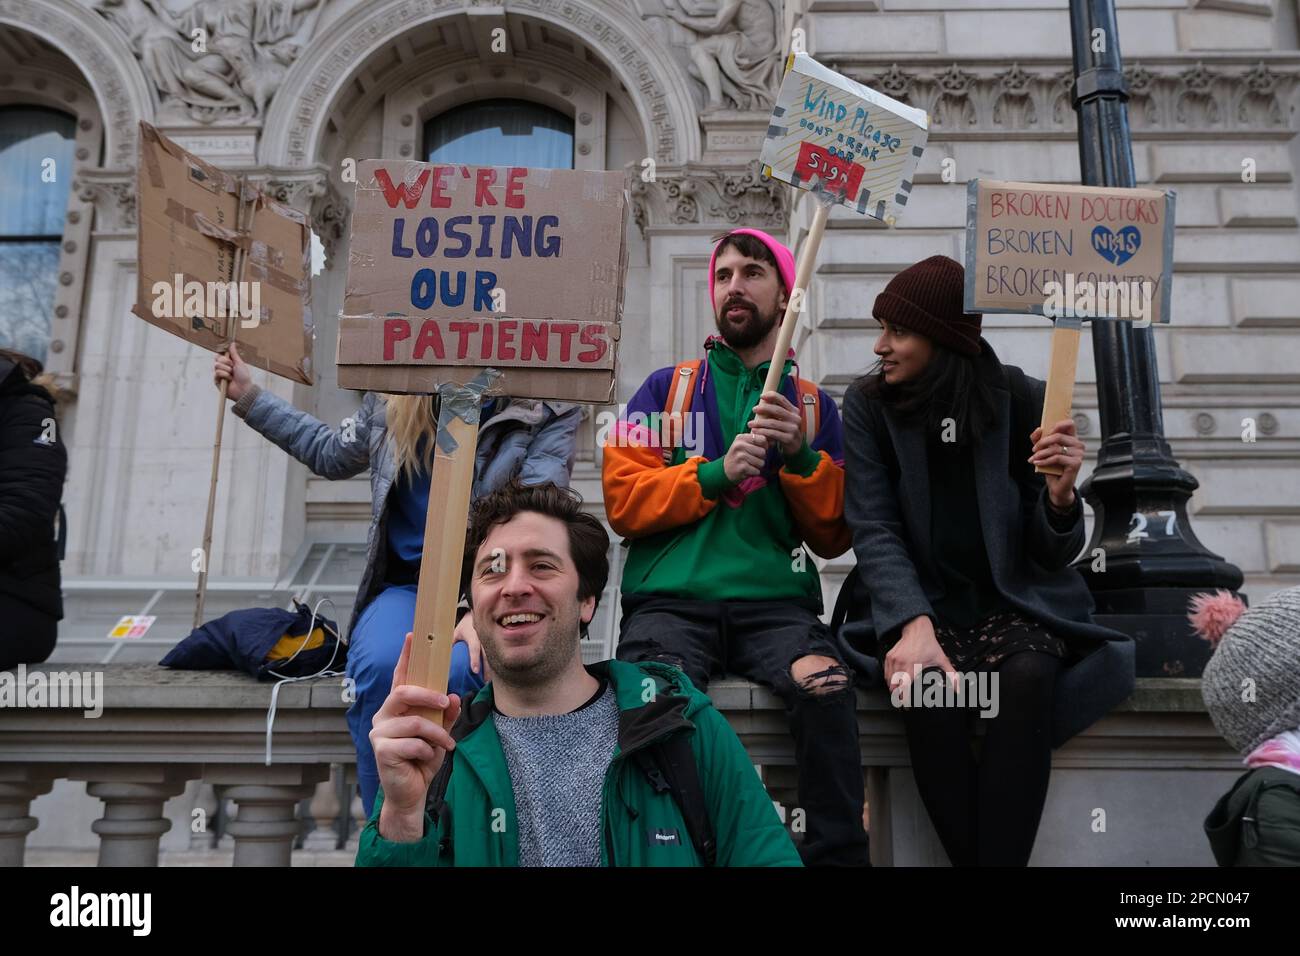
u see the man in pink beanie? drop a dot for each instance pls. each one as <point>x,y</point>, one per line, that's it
<point>718,497</point>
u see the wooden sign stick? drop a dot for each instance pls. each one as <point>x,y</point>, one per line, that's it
<point>1061,373</point>
<point>795,305</point>
<point>438,590</point>
<point>237,274</point>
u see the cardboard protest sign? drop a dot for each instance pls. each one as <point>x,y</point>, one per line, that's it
<point>1109,251</point>
<point>189,211</point>
<point>453,269</point>
<point>862,146</point>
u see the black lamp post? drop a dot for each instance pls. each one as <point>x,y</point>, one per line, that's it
<point>1152,560</point>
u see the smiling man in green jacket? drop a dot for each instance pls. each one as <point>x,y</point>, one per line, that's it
<point>555,763</point>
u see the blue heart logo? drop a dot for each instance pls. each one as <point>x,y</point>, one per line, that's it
<point>1116,248</point>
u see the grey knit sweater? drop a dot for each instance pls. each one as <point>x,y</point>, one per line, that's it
<point>557,770</point>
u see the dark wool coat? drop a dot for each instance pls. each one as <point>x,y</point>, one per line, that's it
<point>887,506</point>
<point>33,464</point>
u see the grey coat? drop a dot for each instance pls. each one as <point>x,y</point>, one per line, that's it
<point>887,507</point>
<point>533,441</point>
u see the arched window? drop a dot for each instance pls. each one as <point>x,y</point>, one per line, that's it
<point>36,158</point>
<point>501,133</point>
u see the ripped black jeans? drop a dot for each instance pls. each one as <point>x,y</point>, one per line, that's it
<point>761,640</point>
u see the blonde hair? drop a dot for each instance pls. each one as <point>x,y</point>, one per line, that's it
<point>410,418</point>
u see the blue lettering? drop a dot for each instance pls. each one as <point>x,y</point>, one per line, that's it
<point>399,250</point>
<point>515,231</point>
<point>547,245</point>
<point>484,283</point>
<point>426,236</point>
<point>450,297</point>
<point>424,286</point>
<point>484,249</point>
<point>462,238</point>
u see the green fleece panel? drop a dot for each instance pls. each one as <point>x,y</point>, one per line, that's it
<point>642,825</point>
<point>750,552</point>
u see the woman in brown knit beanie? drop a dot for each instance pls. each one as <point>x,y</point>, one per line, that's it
<point>964,600</point>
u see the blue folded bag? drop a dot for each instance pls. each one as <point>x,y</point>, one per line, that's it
<point>250,640</point>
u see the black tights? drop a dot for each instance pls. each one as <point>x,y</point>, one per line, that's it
<point>986,812</point>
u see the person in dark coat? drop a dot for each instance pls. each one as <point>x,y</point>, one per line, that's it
<point>963,593</point>
<point>33,465</point>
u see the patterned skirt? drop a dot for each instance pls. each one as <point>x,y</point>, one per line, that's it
<point>986,645</point>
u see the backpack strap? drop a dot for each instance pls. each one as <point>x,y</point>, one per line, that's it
<point>809,396</point>
<point>681,391</point>
<point>669,765</point>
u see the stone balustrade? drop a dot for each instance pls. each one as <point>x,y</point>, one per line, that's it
<point>1132,790</point>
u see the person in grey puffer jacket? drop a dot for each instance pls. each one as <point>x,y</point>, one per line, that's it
<point>391,436</point>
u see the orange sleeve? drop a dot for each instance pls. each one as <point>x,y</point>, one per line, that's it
<point>643,497</point>
<point>817,502</point>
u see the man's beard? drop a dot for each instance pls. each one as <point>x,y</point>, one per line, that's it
<point>747,332</point>
<point>545,662</point>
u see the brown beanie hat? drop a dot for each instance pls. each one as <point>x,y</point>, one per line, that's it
<point>928,298</point>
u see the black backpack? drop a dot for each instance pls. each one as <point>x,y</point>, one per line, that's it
<point>669,765</point>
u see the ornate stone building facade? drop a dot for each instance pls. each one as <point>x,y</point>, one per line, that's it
<point>678,92</point>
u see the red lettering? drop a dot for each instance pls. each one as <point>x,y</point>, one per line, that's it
<point>1011,205</point>
<point>997,201</point>
<point>505,338</point>
<point>482,193</point>
<point>464,329</point>
<point>515,187</point>
<point>565,330</point>
<point>436,198</point>
<point>485,351</point>
<point>593,335</point>
<point>535,342</point>
<point>395,330</point>
<point>405,192</point>
<point>429,338</point>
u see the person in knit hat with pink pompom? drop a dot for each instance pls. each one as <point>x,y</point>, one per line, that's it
<point>964,572</point>
<point>1251,687</point>
<point>718,486</point>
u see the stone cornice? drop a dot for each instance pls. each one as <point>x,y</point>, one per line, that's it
<point>1253,95</point>
<point>705,194</point>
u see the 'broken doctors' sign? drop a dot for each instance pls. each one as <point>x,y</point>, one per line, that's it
<point>1076,251</point>
<point>456,268</point>
<point>860,146</point>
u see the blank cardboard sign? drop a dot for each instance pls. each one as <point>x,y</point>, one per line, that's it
<point>453,269</point>
<point>187,239</point>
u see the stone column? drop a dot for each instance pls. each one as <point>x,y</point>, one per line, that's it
<point>133,796</point>
<point>266,799</point>
<point>325,811</point>
<point>19,786</point>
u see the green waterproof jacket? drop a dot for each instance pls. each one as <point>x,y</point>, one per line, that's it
<point>474,825</point>
<point>1257,822</point>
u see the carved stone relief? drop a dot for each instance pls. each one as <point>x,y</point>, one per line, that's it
<point>217,60</point>
<point>1034,100</point>
<point>706,194</point>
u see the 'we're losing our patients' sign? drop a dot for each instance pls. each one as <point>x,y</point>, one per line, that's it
<point>861,146</point>
<point>456,268</point>
<point>1085,251</point>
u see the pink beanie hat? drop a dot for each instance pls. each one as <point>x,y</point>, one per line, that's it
<point>784,257</point>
